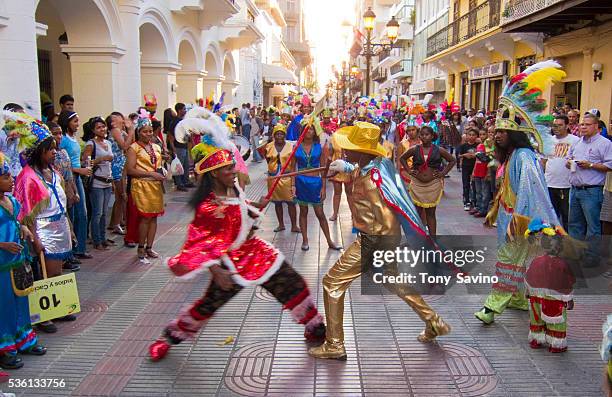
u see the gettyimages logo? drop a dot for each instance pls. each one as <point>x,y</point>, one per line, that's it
<point>411,257</point>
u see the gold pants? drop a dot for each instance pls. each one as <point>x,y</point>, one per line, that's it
<point>339,278</point>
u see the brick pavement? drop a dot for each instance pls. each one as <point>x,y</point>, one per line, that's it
<point>125,306</point>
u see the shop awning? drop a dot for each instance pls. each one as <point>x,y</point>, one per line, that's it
<point>278,75</point>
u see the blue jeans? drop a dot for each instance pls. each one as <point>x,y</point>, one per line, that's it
<point>78,217</point>
<point>100,198</point>
<point>254,142</point>
<point>585,208</point>
<point>183,156</point>
<point>246,131</point>
<point>483,194</point>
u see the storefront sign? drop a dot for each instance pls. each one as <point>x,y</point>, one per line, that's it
<point>53,298</point>
<point>486,71</point>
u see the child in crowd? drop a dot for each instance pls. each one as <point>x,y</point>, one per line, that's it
<point>550,283</point>
<point>481,187</point>
<point>467,154</point>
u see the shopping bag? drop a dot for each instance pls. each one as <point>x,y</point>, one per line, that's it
<point>176,168</point>
<point>53,297</point>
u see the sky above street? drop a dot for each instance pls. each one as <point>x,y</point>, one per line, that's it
<point>329,33</point>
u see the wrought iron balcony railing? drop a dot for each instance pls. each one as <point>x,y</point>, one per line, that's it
<point>404,66</point>
<point>518,9</point>
<point>476,21</point>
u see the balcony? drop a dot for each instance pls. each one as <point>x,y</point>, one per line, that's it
<point>551,16</point>
<point>379,75</point>
<point>388,57</point>
<point>211,12</point>
<point>240,30</point>
<point>401,69</point>
<point>274,9</point>
<point>301,51</point>
<point>478,20</point>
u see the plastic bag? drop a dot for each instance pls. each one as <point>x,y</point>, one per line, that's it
<point>176,168</point>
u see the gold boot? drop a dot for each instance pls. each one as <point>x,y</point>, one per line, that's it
<point>329,350</point>
<point>435,327</point>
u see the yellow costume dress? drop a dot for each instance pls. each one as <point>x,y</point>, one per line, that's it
<point>147,193</point>
<point>337,155</point>
<point>283,191</point>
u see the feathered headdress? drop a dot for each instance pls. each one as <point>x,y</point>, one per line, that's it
<point>144,119</point>
<point>215,149</point>
<point>521,107</point>
<point>31,132</point>
<point>4,166</point>
<point>150,102</point>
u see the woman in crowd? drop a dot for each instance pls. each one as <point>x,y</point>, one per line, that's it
<point>39,189</point>
<point>101,186</point>
<point>309,188</point>
<point>144,166</point>
<point>341,179</point>
<point>16,334</point>
<point>63,166</point>
<point>69,121</point>
<point>277,155</point>
<point>410,139</point>
<point>427,176</point>
<point>121,137</point>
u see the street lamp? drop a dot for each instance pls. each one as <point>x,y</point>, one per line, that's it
<point>369,19</point>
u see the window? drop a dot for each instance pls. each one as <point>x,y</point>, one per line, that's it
<point>44,72</point>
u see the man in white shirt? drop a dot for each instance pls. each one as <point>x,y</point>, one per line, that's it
<point>556,173</point>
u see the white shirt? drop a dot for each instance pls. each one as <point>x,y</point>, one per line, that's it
<point>557,175</point>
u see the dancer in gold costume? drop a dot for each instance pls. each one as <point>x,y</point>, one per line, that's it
<point>382,209</point>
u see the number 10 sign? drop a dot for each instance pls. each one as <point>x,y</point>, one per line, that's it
<point>53,298</point>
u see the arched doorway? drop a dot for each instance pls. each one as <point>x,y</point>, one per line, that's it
<point>190,78</point>
<point>212,81</point>
<point>231,83</point>
<point>158,64</point>
<point>73,50</point>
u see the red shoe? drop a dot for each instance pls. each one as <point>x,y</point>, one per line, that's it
<point>534,344</point>
<point>158,350</point>
<point>557,349</point>
<point>472,211</point>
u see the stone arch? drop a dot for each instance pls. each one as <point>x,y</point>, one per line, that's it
<point>154,25</point>
<point>213,60</point>
<point>189,51</point>
<point>229,67</point>
<point>98,21</point>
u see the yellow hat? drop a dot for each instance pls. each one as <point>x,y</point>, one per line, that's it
<point>279,127</point>
<point>361,137</point>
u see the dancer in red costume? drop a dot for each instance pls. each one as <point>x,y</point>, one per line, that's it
<point>221,239</point>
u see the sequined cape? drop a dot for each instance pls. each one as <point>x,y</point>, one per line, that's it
<point>220,233</point>
<point>393,192</point>
<point>523,195</point>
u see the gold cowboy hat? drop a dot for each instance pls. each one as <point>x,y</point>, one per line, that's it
<point>361,137</point>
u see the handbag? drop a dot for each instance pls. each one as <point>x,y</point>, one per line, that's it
<point>22,279</point>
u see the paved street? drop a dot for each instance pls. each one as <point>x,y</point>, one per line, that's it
<point>125,306</point>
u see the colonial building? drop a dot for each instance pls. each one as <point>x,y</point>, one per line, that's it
<point>109,53</point>
<point>477,55</point>
<point>578,34</point>
<point>427,78</point>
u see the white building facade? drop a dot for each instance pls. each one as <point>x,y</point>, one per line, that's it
<point>109,53</point>
<point>430,16</point>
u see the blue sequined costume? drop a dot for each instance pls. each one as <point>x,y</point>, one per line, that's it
<point>308,187</point>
